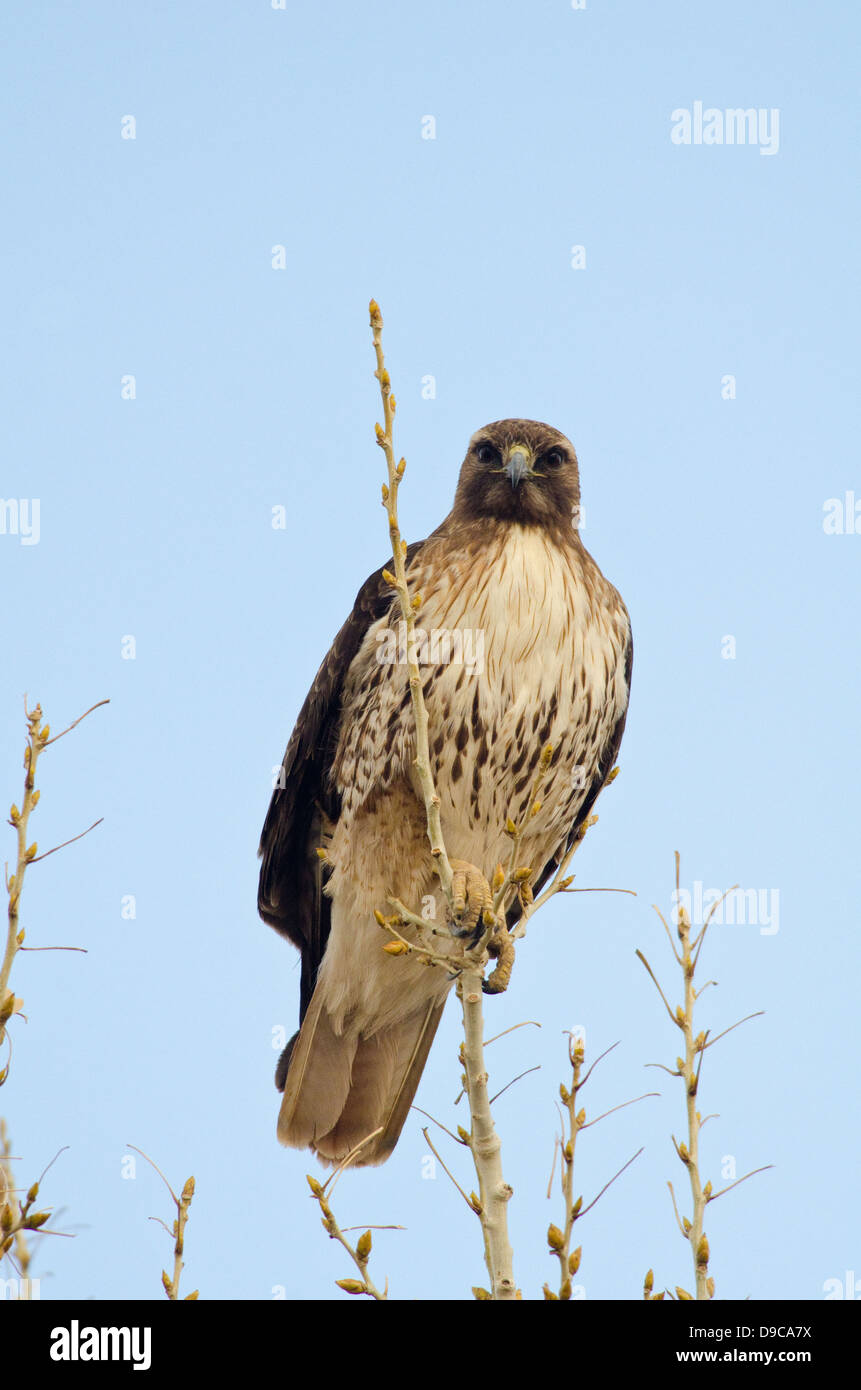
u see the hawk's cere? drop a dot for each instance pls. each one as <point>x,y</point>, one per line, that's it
<point>527,644</point>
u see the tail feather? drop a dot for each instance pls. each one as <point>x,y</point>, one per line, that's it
<point>386,1072</point>
<point>340,1088</point>
<point>318,1079</point>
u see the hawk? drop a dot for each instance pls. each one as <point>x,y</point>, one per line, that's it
<point>506,582</point>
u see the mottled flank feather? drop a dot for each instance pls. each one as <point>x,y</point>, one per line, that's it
<point>545,644</point>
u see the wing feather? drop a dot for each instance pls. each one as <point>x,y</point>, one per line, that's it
<point>290,895</point>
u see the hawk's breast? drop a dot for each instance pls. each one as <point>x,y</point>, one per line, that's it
<point>534,639</point>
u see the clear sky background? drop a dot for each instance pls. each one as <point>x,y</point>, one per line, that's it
<point>153,257</point>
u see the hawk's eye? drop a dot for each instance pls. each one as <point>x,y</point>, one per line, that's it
<point>554,459</point>
<point>485,453</point>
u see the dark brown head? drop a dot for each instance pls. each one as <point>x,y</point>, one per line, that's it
<point>520,470</point>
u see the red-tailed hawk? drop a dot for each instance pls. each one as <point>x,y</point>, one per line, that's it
<point>523,643</point>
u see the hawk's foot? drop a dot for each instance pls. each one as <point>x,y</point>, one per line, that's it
<point>472,906</point>
<point>501,946</point>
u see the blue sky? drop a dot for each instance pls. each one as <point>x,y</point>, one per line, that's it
<point>152,257</point>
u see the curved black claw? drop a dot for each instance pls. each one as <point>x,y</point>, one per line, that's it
<point>501,946</point>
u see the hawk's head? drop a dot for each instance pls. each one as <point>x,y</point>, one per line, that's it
<point>520,470</point>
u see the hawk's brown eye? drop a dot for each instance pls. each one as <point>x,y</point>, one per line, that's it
<point>554,459</point>
<point>487,454</point>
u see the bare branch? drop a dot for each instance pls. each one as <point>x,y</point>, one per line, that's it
<point>75,722</point>
<point>345,1162</point>
<point>150,1161</point>
<point>527,1023</point>
<point>759,1014</point>
<point>448,1170</point>
<point>669,933</point>
<point>439,1125</point>
<point>647,1095</point>
<point>631,1160</point>
<point>606,1053</point>
<point>658,988</point>
<point>83,949</point>
<point>676,1210</point>
<point>513,1082</point>
<point>713,1196</point>
<point>39,857</point>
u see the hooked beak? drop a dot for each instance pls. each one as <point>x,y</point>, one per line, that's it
<point>518,464</point>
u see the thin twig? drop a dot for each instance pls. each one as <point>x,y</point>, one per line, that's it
<point>759,1014</point>
<point>39,857</point>
<point>83,949</point>
<point>676,1210</point>
<point>447,1170</point>
<point>527,1023</point>
<point>645,1096</point>
<point>658,987</point>
<point>713,1196</point>
<point>75,722</point>
<point>697,944</point>
<point>332,1180</point>
<point>631,1160</point>
<point>599,1058</point>
<point>182,1203</point>
<point>154,1165</point>
<point>389,1227</point>
<point>513,1081</point>
<point>438,1123</point>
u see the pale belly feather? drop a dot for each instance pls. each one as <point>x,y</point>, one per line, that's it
<point>546,639</point>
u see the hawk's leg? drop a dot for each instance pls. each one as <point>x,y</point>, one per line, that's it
<point>501,947</point>
<point>472,905</point>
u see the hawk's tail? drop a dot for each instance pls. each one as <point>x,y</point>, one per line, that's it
<point>340,1087</point>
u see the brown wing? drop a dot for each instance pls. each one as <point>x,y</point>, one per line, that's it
<point>606,763</point>
<point>290,893</point>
